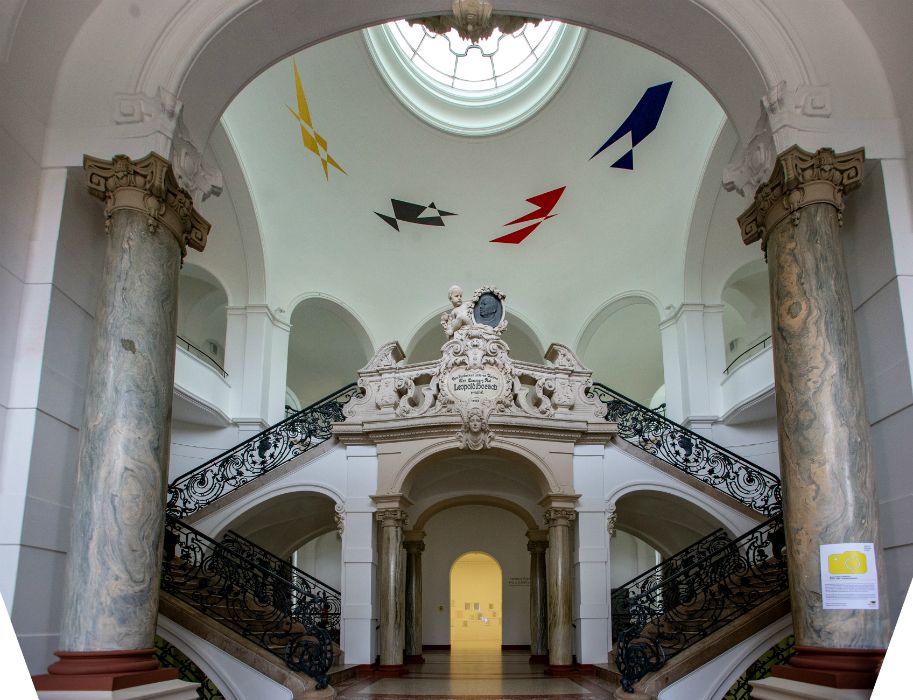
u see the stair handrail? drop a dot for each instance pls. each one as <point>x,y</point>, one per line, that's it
<point>256,456</point>
<point>623,594</point>
<point>221,584</point>
<point>713,583</point>
<point>330,615</point>
<point>691,453</point>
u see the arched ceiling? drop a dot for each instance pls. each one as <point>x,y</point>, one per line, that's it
<point>612,229</point>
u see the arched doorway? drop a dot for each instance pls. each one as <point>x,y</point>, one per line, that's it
<point>475,602</point>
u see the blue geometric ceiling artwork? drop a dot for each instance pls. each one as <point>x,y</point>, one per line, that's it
<point>410,213</point>
<point>640,123</point>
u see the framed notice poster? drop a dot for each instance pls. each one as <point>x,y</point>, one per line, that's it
<point>849,580</point>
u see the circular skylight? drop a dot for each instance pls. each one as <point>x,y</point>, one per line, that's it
<point>461,64</point>
<point>474,89</point>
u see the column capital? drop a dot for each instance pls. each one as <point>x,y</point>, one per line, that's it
<point>801,178</point>
<point>148,186</point>
<point>557,517</point>
<point>413,546</point>
<point>392,517</point>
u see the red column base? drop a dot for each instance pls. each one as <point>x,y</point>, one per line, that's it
<point>389,671</point>
<point>834,668</point>
<point>561,670</point>
<point>103,670</point>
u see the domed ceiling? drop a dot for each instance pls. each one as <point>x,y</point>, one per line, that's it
<point>360,200</point>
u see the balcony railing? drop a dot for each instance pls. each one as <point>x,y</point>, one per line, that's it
<point>743,357</point>
<point>201,354</point>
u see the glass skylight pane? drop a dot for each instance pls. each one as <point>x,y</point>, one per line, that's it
<point>474,67</point>
<point>510,55</point>
<point>435,53</point>
<point>517,72</point>
<point>449,59</point>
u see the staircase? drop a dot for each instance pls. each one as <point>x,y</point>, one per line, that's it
<point>686,601</point>
<point>272,612</point>
<point>625,594</point>
<point>657,616</point>
<point>260,599</point>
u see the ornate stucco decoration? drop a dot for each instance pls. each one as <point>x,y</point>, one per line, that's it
<point>474,21</point>
<point>799,179</point>
<point>150,187</point>
<point>475,384</point>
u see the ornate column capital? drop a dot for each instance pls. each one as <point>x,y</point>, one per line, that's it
<point>392,517</point>
<point>538,540</point>
<point>559,517</point>
<point>414,540</point>
<point>801,178</point>
<point>150,187</point>
<point>611,520</point>
<point>339,517</point>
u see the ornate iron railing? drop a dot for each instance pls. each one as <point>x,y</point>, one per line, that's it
<point>329,614</point>
<point>700,599</point>
<point>260,454</point>
<point>779,653</point>
<point>270,611</point>
<point>170,656</point>
<point>693,454</point>
<point>624,594</point>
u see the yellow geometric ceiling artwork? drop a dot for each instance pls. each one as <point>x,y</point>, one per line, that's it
<point>313,141</point>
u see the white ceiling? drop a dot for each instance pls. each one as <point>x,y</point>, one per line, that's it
<point>614,230</point>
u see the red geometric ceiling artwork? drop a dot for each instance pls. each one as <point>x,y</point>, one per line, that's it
<point>544,204</point>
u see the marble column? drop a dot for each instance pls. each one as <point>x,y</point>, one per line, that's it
<point>538,596</point>
<point>414,546</point>
<point>560,630</point>
<point>391,567</point>
<point>114,561</point>
<point>825,448</point>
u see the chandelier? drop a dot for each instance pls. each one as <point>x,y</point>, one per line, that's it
<point>474,20</point>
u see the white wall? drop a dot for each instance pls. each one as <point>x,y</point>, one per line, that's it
<point>629,556</point>
<point>456,531</point>
<point>322,559</point>
<point>882,293</point>
<point>46,438</point>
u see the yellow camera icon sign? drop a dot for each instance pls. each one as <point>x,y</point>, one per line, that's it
<point>847,563</point>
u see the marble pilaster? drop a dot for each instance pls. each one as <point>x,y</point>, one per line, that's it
<point>560,621</point>
<point>391,565</point>
<point>414,546</point>
<point>538,596</point>
<point>825,448</point>
<point>114,561</point>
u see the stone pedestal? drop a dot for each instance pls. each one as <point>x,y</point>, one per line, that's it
<point>538,596</point>
<point>560,630</point>
<point>164,690</point>
<point>782,689</point>
<point>825,450</point>
<point>414,546</point>
<point>391,568</point>
<point>114,561</point>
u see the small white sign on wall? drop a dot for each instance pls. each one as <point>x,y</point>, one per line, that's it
<point>849,580</point>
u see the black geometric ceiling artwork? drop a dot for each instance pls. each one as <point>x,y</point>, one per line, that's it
<point>410,213</point>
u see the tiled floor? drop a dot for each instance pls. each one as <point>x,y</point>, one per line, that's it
<point>477,673</point>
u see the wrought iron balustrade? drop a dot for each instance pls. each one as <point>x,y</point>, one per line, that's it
<point>624,594</point>
<point>272,612</point>
<point>332,599</point>
<point>700,599</point>
<point>260,454</point>
<point>693,454</point>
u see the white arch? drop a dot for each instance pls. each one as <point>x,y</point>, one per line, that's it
<point>355,321</point>
<point>200,59</point>
<point>707,504</point>
<point>605,310</point>
<point>216,524</point>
